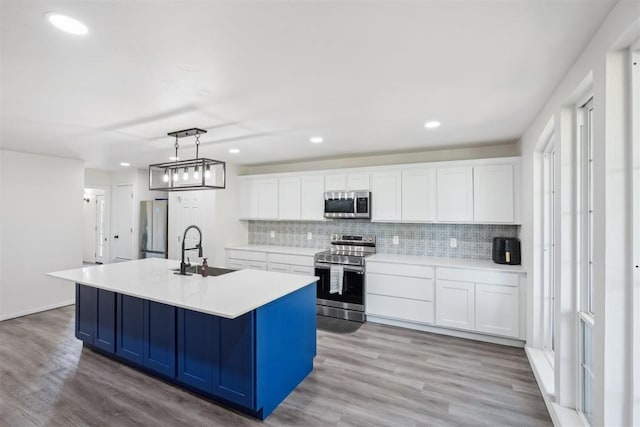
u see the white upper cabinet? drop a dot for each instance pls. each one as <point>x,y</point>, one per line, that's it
<point>350,181</point>
<point>386,194</point>
<point>419,195</point>
<point>289,198</point>
<point>312,207</point>
<point>455,194</point>
<point>335,182</point>
<point>493,199</point>
<point>267,198</point>
<point>248,199</point>
<point>358,181</point>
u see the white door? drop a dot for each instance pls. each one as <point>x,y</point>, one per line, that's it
<point>455,194</point>
<point>493,193</point>
<point>123,230</point>
<point>100,234</point>
<point>312,194</point>
<point>419,195</point>
<point>497,310</point>
<point>455,304</point>
<point>386,196</point>
<point>289,198</point>
<point>189,212</point>
<point>89,229</point>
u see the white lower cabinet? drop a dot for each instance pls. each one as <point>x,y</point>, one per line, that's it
<point>455,304</point>
<point>252,260</point>
<point>472,300</point>
<point>497,309</point>
<point>258,260</point>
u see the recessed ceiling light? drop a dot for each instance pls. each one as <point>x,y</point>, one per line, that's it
<point>125,164</point>
<point>432,125</point>
<point>67,24</point>
<point>234,150</point>
<point>173,158</point>
<point>316,139</point>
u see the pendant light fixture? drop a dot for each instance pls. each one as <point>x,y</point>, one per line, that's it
<point>183,175</point>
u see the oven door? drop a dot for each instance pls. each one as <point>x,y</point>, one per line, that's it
<point>352,296</point>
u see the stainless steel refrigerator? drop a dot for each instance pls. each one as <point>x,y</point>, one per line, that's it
<point>154,229</point>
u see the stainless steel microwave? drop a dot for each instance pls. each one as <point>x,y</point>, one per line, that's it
<point>347,204</point>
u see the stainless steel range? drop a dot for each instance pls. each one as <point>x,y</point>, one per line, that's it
<point>342,280</point>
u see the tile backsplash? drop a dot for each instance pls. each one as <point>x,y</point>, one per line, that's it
<point>473,240</point>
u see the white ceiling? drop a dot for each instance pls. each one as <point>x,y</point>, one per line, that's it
<point>265,76</point>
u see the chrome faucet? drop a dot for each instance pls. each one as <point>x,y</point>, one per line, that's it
<point>183,265</point>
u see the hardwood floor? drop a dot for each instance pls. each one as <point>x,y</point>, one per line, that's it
<point>377,376</point>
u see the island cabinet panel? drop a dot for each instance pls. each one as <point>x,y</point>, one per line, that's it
<point>95,317</point>
<point>130,328</point>
<point>159,347</point>
<point>217,355</point>
<point>234,357</point>
<point>86,300</point>
<point>105,338</point>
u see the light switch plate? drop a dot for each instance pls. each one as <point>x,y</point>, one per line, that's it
<point>273,234</point>
<point>453,242</point>
<point>396,240</point>
<point>309,236</point>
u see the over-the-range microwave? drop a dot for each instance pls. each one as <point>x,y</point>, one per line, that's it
<point>347,204</point>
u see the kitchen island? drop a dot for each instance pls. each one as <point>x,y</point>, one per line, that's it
<point>245,339</point>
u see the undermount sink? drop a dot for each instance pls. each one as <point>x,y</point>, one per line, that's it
<point>213,271</point>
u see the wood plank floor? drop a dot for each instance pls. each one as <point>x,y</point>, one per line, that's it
<point>377,376</point>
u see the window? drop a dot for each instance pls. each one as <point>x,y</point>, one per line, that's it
<point>549,244</point>
<point>586,284</point>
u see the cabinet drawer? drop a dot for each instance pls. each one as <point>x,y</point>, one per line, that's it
<point>400,269</point>
<point>400,308</point>
<point>307,271</point>
<point>256,265</point>
<point>478,276</point>
<point>235,264</point>
<point>247,255</point>
<point>398,286</point>
<point>274,266</point>
<point>291,259</point>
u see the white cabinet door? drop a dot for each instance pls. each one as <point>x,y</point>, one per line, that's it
<point>335,182</point>
<point>289,198</point>
<point>497,310</point>
<point>455,194</point>
<point>248,199</point>
<point>386,196</point>
<point>358,181</point>
<point>455,304</point>
<point>419,195</point>
<point>267,198</point>
<point>493,193</point>
<point>282,268</point>
<point>312,206</point>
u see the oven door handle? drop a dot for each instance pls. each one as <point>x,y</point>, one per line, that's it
<point>352,268</point>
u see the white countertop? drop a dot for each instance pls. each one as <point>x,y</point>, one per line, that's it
<point>445,262</point>
<point>288,250</point>
<point>229,295</point>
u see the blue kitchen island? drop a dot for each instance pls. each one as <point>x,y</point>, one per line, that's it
<point>245,339</point>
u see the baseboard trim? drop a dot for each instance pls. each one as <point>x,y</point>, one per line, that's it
<point>37,310</point>
<point>445,331</point>
<point>560,415</point>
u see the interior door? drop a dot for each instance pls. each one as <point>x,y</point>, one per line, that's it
<point>123,230</point>
<point>188,212</point>
<point>100,236</point>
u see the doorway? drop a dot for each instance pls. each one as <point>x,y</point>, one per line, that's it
<point>123,223</point>
<point>94,209</point>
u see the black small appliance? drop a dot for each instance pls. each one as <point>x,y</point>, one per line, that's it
<point>506,250</point>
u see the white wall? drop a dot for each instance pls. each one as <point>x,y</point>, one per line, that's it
<point>597,72</point>
<point>40,218</point>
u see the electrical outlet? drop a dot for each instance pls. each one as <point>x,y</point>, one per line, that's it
<point>273,234</point>
<point>453,242</point>
<point>396,240</point>
<point>309,236</point>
